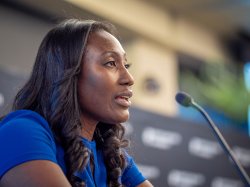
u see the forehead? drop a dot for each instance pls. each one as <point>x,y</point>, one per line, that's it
<point>103,40</point>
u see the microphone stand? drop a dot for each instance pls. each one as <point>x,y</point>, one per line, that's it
<point>224,144</point>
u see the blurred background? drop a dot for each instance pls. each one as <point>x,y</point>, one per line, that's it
<point>198,46</point>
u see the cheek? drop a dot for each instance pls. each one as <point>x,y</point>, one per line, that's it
<point>94,89</point>
<point>91,80</point>
<point>101,83</point>
<point>95,97</point>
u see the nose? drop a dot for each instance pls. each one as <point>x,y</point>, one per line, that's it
<point>126,78</point>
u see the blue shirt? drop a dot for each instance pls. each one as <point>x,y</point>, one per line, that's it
<point>25,135</point>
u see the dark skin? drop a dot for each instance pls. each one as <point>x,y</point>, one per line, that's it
<point>104,82</point>
<point>38,173</point>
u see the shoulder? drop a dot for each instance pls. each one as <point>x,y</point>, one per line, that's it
<point>23,115</point>
<point>131,176</point>
<point>23,122</point>
<point>25,135</point>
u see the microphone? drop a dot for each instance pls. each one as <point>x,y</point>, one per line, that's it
<point>186,100</point>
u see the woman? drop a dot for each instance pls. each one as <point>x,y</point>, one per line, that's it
<point>66,119</point>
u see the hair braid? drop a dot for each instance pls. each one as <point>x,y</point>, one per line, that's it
<point>111,141</point>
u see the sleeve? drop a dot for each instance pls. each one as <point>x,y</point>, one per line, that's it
<point>131,176</point>
<point>23,140</point>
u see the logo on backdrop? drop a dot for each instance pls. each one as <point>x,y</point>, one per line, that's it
<point>243,155</point>
<point>180,178</point>
<point>150,172</point>
<point>1,99</point>
<point>129,128</point>
<point>160,139</point>
<point>220,182</point>
<point>203,148</point>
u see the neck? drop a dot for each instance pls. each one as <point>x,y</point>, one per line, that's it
<point>88,128</point>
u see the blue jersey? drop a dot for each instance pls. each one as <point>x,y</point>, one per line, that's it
<point>25,135</point>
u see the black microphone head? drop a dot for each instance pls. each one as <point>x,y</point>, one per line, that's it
<point>183,99</point>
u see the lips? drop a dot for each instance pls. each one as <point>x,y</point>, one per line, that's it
<point>122,99</point>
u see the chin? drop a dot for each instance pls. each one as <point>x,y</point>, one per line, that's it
<point>124,119</point>
<point>121,119</point>
<point>116,117</point>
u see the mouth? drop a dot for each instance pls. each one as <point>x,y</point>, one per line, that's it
<point>123,99</point>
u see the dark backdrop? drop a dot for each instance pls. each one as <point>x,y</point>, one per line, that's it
<point>174,152</point>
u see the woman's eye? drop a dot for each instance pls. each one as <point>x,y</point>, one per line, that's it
<point>127,66</point>
<point>111,64</point>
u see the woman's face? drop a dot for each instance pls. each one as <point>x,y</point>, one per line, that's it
<point>104,85</point>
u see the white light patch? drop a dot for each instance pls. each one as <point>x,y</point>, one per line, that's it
<point>159,138</point>
<point>222,182</point>
<point>243,155</point>
<point>150,172</point>
<point>203,148</point>
<point>129,129</point>
<point>179,178</point>
<point>1,99</point>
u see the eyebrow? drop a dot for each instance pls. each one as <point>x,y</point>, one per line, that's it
<point>114,53</point>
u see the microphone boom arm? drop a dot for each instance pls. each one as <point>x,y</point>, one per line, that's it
<point>224,144</point>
